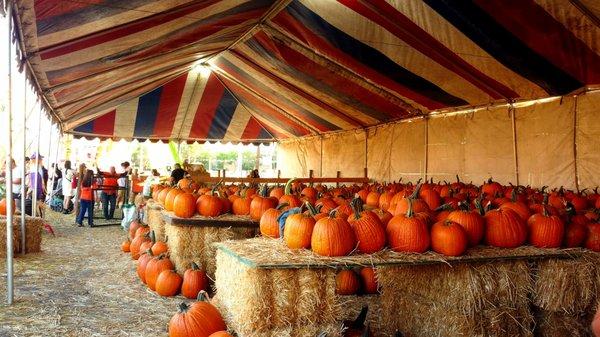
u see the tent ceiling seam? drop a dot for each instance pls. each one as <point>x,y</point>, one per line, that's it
<point>254,93</point>
<point>586,11</point>
<point>273,31</point>
<point>244,106</point>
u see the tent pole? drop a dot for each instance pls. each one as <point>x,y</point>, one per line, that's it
<point>9,199</point>
<point>575,143</point>
<point>37,168</point>
<point>24,170</point>
<point>49,189</point>
<point>512,109</point>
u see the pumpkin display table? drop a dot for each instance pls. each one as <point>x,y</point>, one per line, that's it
<point>191,239</point>
<point>153,218</point>
<point>265,289</point>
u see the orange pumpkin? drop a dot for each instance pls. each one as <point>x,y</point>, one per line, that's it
<point>162,195</point>
<point>346,282</point>
<point>269,226</point>
<point>170,199</point>
<point>471,221</point>
<point>449,238</point>
<point>136,245</point>
<point>194,281</point>
<point>221,334</point>
<point>241,206</point>
<point>298,230</point>
<point>408,233</point>
<point>3,206</point>
<point>154,267</point>
<point>199,319</point>
<point>133,227</point>
<point>369,281</point>
<point>260,204</point>
<point>168,283</point>
<point>592,241</point>
<point>288,198</point>
<point>184,205</point>
<point>125,246</point>
<point>143,263</point>
<point>367,227</point>
<point>504,228</point>
<point>545,231</point>
<point>333,236</point>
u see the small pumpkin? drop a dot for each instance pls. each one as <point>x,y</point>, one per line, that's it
<point>346,282</point>
<point>221,334</point>
<point>369,281</point>
<point>3,206</point>
<point>170,199</point>
<point>260,204</point>
<point>471,221</point>
<point>298,231</point>
<point>592,241</point>
<point>143,263</point>
<point>194,281</point>
<point>125,246</point>
<point>545,231</point>
<point>268,224</point>
<point>288,197</point>
<point>158,247</point>
<point>199,319</point>
<point>136,245</point>
<point>168,283</point>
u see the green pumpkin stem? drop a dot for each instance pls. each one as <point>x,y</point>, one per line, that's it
<point>415,194</point>
<point>311,209</point>
<point>409,212</point>
<point>479,206</point>
<point>264,191</point>
<point>194,266</point>
<point>183,307</point>
<point>444,207</point>
<point>359,322</point>
<point>457,179</point>
<point>288,186</point>
<point>152,237</point>
<point>513,194</point>
<point>203,296</point>
<point>281,206</point>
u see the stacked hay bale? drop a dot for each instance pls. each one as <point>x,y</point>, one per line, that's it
<point>565,295</point>
<point>475,299</point>
<point>33,234</point>
<point>189,244</point>
<point>276,302</point>
<point>154,219</point>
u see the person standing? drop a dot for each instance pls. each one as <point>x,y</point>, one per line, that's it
<point>36,177</point>
<point>86,200</point>
<point>122,182</point>
<point>67,189</point>
<point>177,174</point>
<point>109,192</point>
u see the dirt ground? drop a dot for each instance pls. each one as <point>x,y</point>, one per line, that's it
<point>81,284</point>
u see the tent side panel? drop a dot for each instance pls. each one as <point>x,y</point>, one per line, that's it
<point>379,152</point>
<point>545,143</point>
<point>344,152</point>
<point>295,158</point>
<point>408,151</point>
<point>446,147</point>
<point>588,140</point>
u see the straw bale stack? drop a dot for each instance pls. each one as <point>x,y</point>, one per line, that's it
<point>33,234</point>
<point>154,219</point>
<point>189,244</point>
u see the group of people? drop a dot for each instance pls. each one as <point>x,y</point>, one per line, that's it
<point>35,179</point>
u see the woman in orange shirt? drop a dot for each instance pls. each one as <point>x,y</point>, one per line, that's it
<point>86,200</point>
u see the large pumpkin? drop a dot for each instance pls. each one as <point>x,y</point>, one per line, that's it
<point>194,281</point>
<point>199,319</point>
<point>449,238</point>
<point>136,245</point>
<point>162,195</point>
<point>298,230</point>
<point>288,197</point>
<point>504,229</point>
<point>471,221</point>
<point>210,205</point>
<point>408,233</point>
<point>518,206</point>
<point>346,282</point>
<point>168,283</point>
<point>260,204</point>
<point>184,205</point>
<point>241,206</point>
<point>545,231</point>
<point>576,231</point>
<point>367,227</point>
<point>221,334</point>
<point>133,227</point>
<point>170,199</point>
<point>269,226</point>
<point>154,268</point>
<point>333,236</point>
<point>143,263</point>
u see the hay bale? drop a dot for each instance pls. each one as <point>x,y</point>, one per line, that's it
<point>352,305</point>
<point>154,219</point>
<point>556,324</point>
<point>566,286</point>
<point>189,244</point>
<point>458,300</point>
<point>33,234</point>
<point>276,302</point>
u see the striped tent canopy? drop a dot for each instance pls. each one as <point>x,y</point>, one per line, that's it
<point>281,69</point>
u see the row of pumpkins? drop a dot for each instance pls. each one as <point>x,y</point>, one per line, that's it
<point>199,319</point>
<point>447,218</point>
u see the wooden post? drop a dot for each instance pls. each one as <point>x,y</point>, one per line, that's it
<point>338,175</point>
<point>310,174</point>
<point>278,174</point>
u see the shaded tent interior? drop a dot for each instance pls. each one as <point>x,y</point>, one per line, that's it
<point>378,82</point>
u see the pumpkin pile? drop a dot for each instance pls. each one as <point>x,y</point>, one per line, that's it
<point>353,282</point>
<point>447,218</point>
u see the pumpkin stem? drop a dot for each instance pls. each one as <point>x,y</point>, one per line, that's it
<point>282,205</point>
<point>409,213</point>
<point>357,207</point>
<point>398,334</point>
<point>513,194</point>
<point>194,266</point>
<point>457,179</point>
<point>288,186</point>
<point>444,207</point>
<point>333,212</point>
<point>183,307</point>
<point>545,201</point>
<point>570,209</point>
<point>311,209</point>
<point>415,194</point>
<point>152,237</point>
<point>322,334</point>
<point>214,189</point>
<point>479,206</point>
<point>263,191</point>
<point>203,296</point>
<point>367,331</point>
<point>359,322</point>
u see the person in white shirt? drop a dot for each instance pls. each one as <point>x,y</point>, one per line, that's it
<point>67,188</point>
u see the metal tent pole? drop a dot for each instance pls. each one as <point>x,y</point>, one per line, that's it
<point>49,189</point>
<point>9,199</point>
<point>24,170</point>
<point>37,168</point>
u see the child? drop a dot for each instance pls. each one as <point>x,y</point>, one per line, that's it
<point>86,200</point>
